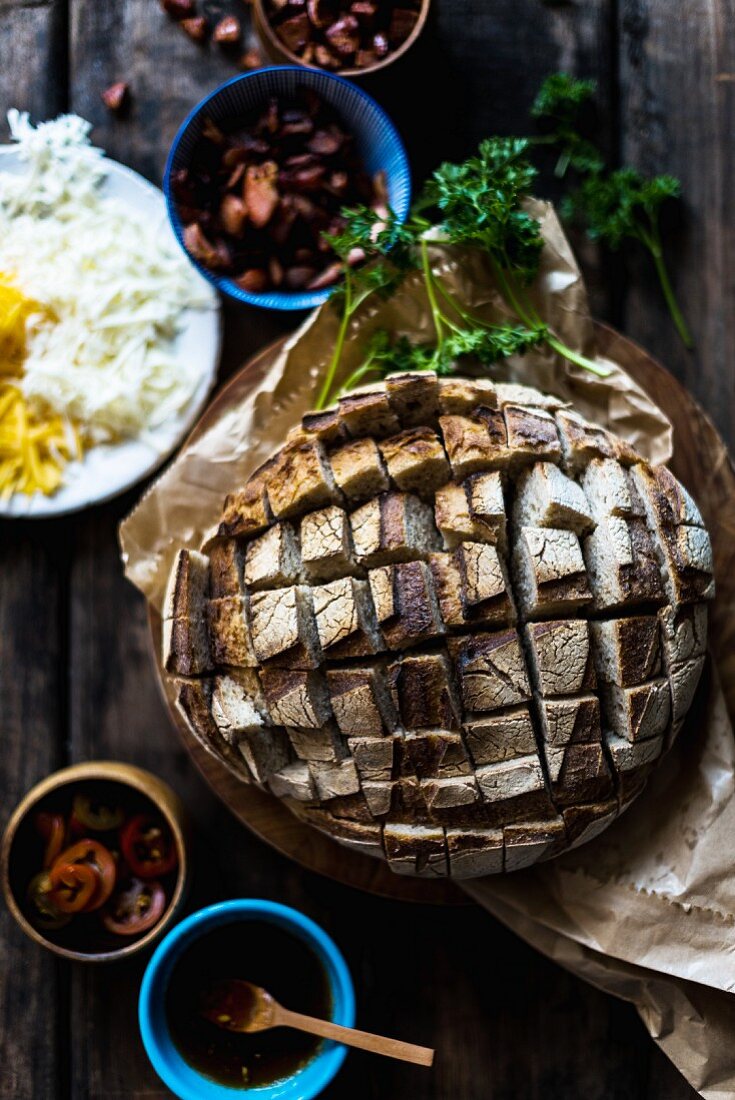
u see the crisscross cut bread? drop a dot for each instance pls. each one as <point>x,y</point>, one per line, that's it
<point>453,625</point>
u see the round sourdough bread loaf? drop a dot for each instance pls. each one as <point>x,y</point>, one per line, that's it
<point>451,623</point>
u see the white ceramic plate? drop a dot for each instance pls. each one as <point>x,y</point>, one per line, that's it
<point>108,470</point>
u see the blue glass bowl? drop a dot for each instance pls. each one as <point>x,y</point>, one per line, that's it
<point>181,1078</point>
<point>376,139</point>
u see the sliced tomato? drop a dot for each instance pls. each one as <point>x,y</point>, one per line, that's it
<point>134,908</point>
<point>99,817</point>
<point>52,830</point>
<point>148,846</point>
<point>73,886</point>
<point>44,913</point>
<point>93,854</point>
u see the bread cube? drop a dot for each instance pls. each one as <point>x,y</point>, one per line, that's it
<point>491,670</point>
<point>561,656</point>
<point>391,528</point>
<point>416,850</point>
<point>293,781</point>
<point>368,412</point>
<point>423,693</point>
<point>360,701</point>
<point>295,697</point>
<point>229,633</point>
<point>475,443</point>
<point>474,851</point>
<point>545,497</point>
<point>549,571</point>
<point>570,720</point>
<point>638,712</point>
<point>283,628</point>
<point>272,559</point>
<point>326,544</point>
<point>627,651</point>
<point>501,735</point>
<point>358,470</point>
<point>226,565</point>
<point>532,434</point>
<point>415,460</point>
<point>405,604</point>
<point>345,619</point>
<point>300,480</point>
<point>414,398</point>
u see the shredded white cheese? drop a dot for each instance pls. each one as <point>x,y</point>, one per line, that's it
<point>115,285</point>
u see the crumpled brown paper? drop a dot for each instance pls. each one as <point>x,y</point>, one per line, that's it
<point>645,911</point>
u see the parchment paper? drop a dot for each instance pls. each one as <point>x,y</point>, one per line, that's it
<point>645,911</point>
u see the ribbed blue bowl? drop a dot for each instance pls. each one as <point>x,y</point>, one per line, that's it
<point>181,1078</point>
<point>376,138</point>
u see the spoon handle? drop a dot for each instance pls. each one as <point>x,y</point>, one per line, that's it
<point>378,1044</point>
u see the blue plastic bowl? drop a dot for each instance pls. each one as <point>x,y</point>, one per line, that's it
<point>377,141</point>
<point>183,1080</point>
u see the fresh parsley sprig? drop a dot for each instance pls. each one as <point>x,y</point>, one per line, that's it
<point>613,206</point>
<point>372,236</point>
<point>558,108</point>
<point>624,205</point>
<point>392,250</point>
<point>481,203</point>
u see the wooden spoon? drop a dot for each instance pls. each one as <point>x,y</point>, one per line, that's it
<point>237,1005</point>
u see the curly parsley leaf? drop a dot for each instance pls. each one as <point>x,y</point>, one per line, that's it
<point>480,203</point>
<point>559,106</point>
<point>625,205</point>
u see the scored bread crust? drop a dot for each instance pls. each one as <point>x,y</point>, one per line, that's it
<point>452,624</point>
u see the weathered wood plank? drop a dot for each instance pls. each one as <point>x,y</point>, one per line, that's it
<point>33,567</point>
<point>32,729</point>
<point>32,59</point>
<point>167,72</point>
<point>475,72</point>
<point>677,79</point>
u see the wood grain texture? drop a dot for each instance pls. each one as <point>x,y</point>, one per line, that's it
<point>32,635</point>
<point>31,728</point>
<point>677,111</point>
<point>511,1023</point>
<point>32,59</point>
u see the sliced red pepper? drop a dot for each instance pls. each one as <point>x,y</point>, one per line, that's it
<point>148,846</point>
<point>43,912</point>
<point>97,817</point>
<point>94,855</point>
<point>52,829</point>
<point>134,908</point>
<point>73,886</point>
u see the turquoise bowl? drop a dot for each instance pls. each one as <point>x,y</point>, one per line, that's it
<point>181,1078</point>
<point>376,139</point>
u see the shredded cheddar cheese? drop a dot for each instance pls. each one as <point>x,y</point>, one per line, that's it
<point>33,448</point>
<point>15,310</point>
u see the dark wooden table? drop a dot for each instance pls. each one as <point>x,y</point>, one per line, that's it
<point>75,676</point>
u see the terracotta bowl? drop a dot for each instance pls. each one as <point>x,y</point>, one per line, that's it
<point>277,51</point>
<point>19,847</point>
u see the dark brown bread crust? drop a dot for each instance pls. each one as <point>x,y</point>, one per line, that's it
<point>454,627</point>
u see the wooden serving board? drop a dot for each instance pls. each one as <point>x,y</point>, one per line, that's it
<point>702,463</point>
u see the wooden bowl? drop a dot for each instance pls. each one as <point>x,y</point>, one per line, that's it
<point>19,839</point>
<point>278,52</point>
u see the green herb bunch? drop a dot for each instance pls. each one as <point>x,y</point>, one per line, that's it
<point>479,203</point>
<point>613,206</point>
<point>482,203</point>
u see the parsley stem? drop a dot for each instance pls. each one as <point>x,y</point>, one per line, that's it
<point>652,241</point>
<point>356,375</point>
<point>531,319</point>
<point>326,389</point>
<point>429,282</point>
